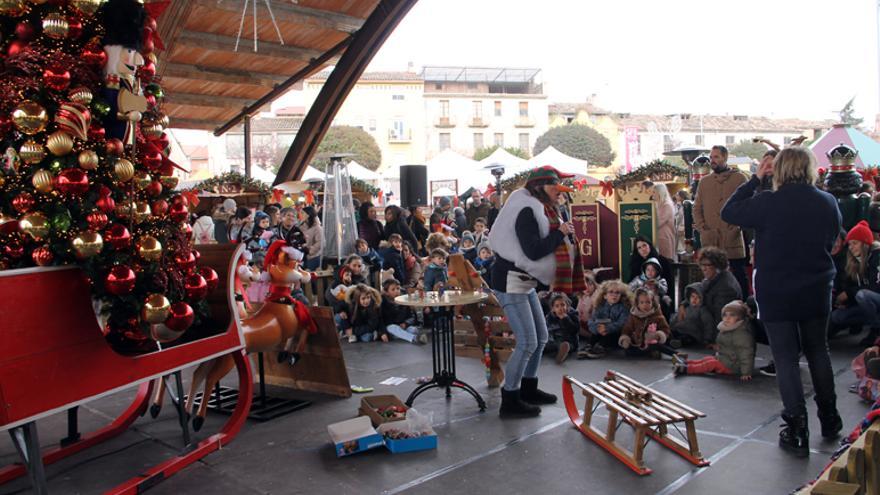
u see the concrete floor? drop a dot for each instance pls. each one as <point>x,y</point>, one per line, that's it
<point>477,452</point>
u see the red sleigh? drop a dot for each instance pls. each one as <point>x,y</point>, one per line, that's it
<point>54,358</point>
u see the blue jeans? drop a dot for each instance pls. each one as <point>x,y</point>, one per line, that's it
<point>865,312</point>
<point>409,334</point>
<point>526,319</point>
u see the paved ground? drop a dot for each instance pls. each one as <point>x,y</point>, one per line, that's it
<point>477,452</point>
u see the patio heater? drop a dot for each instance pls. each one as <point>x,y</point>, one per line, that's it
<point>497,171</point>
<point>340,228</point>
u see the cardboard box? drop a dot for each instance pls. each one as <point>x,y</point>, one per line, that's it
<point>425,442</point>
<point>353,436</point>
<point>372,403</point>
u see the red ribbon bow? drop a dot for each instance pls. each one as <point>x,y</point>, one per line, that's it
<point>607,187</point>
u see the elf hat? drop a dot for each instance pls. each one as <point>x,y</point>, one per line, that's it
<point>548,172</point>
<point>862,233</point>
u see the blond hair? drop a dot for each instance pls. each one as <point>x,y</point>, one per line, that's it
<point>795,165</point>
<point>626,296</point>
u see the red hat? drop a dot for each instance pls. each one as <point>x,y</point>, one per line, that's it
<point>861,232</point>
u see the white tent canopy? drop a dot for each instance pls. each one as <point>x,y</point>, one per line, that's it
<point>560,161</point>
<point>449,165</point>
<point>512,164</point>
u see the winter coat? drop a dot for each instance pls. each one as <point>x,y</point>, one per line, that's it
<point>666,229</point>
<point>563,329</point>
<point>795,229</point>
<point>713,191</point>
<point>718,292</point>
<point>636,327</point>
<point>474,212</point>
<point>736,349</point>
<point>395,314</point>
<point>617,313</point>
<point>314,238</point>
<point>433,275</point>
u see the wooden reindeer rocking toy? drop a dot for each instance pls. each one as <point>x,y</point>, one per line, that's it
<point>279,323</point>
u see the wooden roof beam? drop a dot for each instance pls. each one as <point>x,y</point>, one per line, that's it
<point>221,75</point>
<point>208,100</point>
<point>290,12</point>
<point>212,41</point>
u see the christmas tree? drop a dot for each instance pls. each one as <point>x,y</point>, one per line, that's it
<point>85,178</point>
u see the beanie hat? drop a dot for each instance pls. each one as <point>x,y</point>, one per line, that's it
<point>736,308</point>
<point>861,232</point>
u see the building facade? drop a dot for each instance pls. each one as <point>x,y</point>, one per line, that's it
<point>469,108</point>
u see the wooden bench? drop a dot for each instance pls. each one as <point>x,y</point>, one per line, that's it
<point>647,411</point>
<point>856,471</point>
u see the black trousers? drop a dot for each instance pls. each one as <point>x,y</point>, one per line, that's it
<point>787,340</point>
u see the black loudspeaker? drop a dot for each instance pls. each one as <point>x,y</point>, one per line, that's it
<point>413,185</point>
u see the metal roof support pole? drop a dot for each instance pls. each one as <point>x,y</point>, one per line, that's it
<point>247,146</point>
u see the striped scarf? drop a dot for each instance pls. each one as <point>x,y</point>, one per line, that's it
<point>569,277</point>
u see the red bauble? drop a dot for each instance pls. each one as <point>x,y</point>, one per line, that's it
<point>210,276</point>
<point>118,236</point>
<point>14,248</point>
<point>42,256</point>
<point>74,27</point>
<point>114,147</point>
<point>196,287</point>
<point>106,204</point>
<point>72,182</point>
<point>185,261</point>
<point>120,281</point>
<point>147,71</point>
<point>96,132</point>
<point>154,188</point>
<point>23,202</point>
<point>152,160</point>
<point>56,78</point>
<point>24,31</point>
<point>180,317</point>
<point>16,47</point>
<point>159,207</point>
<point>97,220</point>
<point>93,54</point>
<point>178,212</point>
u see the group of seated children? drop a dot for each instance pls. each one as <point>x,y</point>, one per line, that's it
<point>616,315</point>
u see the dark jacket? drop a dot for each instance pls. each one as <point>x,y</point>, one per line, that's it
<point>795,228</point>
<point>395,314</point>
<point>718,292</point>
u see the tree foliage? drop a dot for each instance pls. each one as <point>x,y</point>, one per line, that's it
<point>748,148</point>
<point>578,141</point>
<point>847,114</point>
<point>484,152</point>
<point>348,139</point>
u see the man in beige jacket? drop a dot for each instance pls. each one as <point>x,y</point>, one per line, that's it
<point>713,192</point>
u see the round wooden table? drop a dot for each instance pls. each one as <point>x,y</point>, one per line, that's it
<point>442,339</point>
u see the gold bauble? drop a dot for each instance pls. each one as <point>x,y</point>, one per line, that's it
<point>149,248</point>
<point>88,160</point>
<point>142,180</point>
<point>81,95</point>
<point>59,143</point>
<point>87,244</point>
<point>156,309</point>
<point>32,152</point>
<point>55,26</point>
<point>86,7</point>
<point>12,7</point>
<point>169,182</point>
<point>142,211</point>
<point>153,131</point>
<point>124,170</point>
<point>35,224</point>
<point>29,117</point>
<point>43,181</point>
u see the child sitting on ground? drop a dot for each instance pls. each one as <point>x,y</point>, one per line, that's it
<point>399,321</point>
<point>692,324</point>
<point>585,311</point>
<point>372,260</point>
<point>562,327</point>
<point>611,302</point>
<point>736,347</point>
<point>435,273</point>
<point>365,321</point>
<point>468,246</point>
<point>484,261</point>
<point>646,330</point>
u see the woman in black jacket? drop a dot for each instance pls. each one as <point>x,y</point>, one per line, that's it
<point>795,227</point>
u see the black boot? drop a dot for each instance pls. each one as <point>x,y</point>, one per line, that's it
<point>795,437</point>
<point>512,406</point>
<point>830,420</point>
<point>533,395</point>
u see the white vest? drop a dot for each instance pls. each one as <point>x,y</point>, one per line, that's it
<point>505,242</point>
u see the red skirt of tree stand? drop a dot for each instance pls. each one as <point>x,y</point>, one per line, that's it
<point>54,357</point>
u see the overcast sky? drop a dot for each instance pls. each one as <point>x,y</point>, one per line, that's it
<point>784,58</point>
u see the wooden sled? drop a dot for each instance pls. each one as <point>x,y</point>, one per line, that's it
<point>647,411</point>
<point>856,471</point>
<point>321,367</point>
<point>470,335</point>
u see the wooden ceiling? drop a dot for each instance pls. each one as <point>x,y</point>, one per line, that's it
<point>208,82</point>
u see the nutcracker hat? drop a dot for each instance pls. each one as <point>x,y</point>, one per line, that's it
<point>549,172</point>
<point>861,232</point>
